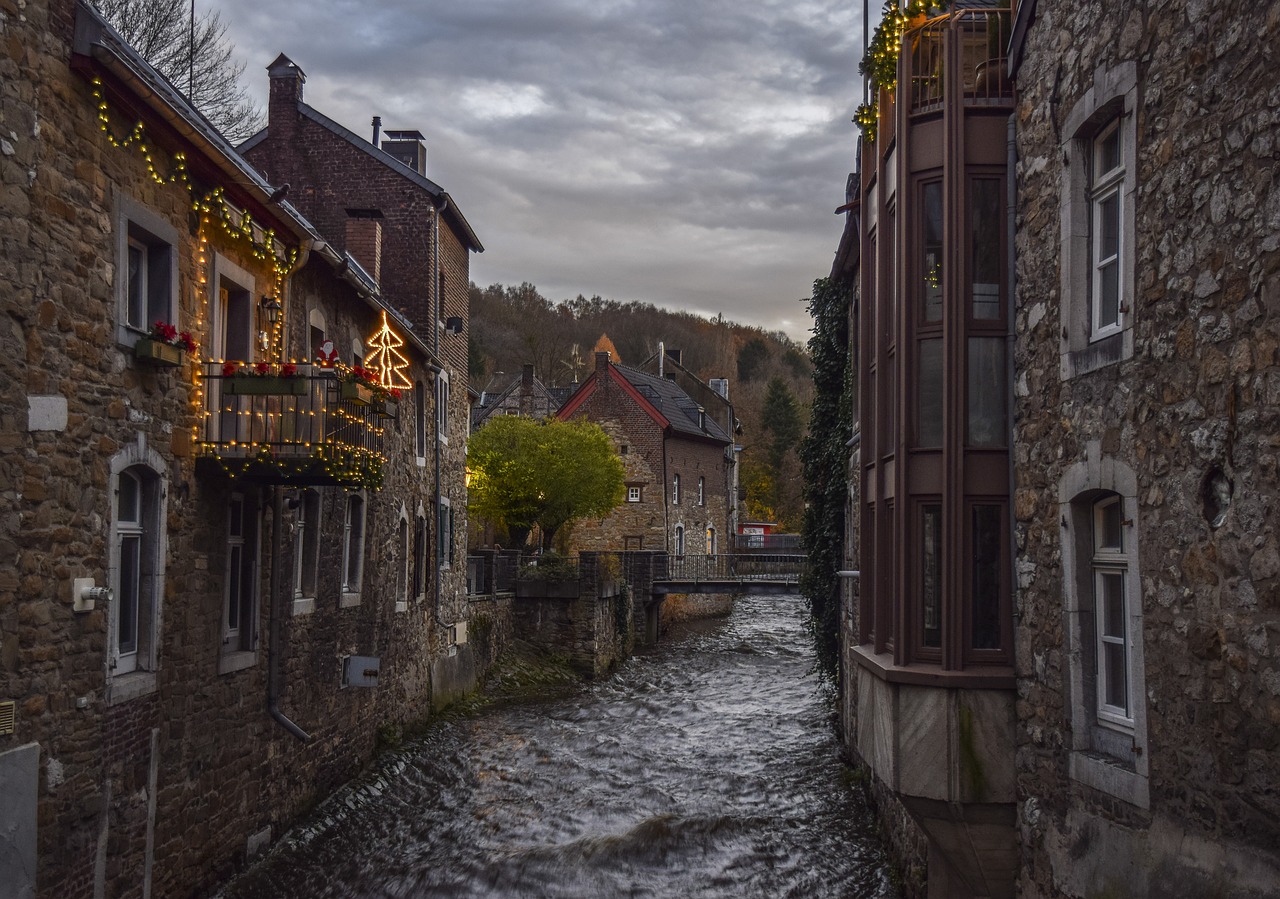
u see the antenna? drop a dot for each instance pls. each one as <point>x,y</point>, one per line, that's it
<point>191,57</point>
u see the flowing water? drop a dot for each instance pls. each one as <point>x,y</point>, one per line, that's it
<point>706,767</point>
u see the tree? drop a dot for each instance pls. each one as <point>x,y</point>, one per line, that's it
<point>781,419</point>
<point>751,359</point>
<point>545,473</point>
<point>825,456</point>
<point>197,61</point>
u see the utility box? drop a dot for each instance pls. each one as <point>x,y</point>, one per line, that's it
<point>360,671</point>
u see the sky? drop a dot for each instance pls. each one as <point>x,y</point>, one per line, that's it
<point>685,153</point>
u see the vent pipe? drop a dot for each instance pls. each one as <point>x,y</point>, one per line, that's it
<point>377,129</point>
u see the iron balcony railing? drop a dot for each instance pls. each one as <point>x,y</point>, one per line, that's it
<point>979,40</point>
<point>292,424</point>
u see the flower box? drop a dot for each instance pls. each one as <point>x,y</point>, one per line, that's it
<point>264,385</point>
<point>357,393</point>
<point>157,353</point>
<point>389,408</point>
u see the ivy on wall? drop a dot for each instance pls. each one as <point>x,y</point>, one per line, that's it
<point>824,454</point>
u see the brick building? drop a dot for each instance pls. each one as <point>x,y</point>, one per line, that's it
<point>1059,654</point>
<point>267,530</point>
<point>676,458</point>
<point>523,394</point>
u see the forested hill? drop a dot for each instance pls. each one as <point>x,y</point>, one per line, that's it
<point>770,377</point>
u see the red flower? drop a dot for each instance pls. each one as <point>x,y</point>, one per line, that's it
<point>262,368</point>
<point>188,342</point>
<point>288,370</point>
<point>229,368</point>
<point>394,392</point>
<point>165,331</point>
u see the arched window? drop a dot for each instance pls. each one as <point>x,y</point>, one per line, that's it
<point>306,551</point>
<point>402,565</point>
<point>679,540</point>
<point>353,549</point>
<point>711,540</point>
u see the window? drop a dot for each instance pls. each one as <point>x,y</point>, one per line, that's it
<point>402,565</point>
<point>147,272</point>
<point>135,572</point>
<point>420,421</point>
<point>442,407</point>
<point>444,534</point>
<point>702,491</point>
<point>353,529</point>
<point>633,494</point>
<point>306,551</point>
<point>420,555</point>
<point>931,578</point>
<point>711,540</point>
<point>316,331</point>
<point>1098,223</point>
<point>679,540</point>
<point>931,251</point>
<point>1101,595</point>
<point>675,490</point>
<point>1111,613</point>
<point>240,590</point>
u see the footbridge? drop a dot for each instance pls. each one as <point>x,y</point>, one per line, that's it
<point>739,573</point>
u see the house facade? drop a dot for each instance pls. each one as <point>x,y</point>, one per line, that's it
<point>675,458</point>
<point>1056,655</point>
<point>523,394</point>
<point>225,571</point>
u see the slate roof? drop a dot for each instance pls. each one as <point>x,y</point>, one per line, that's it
<point>678,407</point>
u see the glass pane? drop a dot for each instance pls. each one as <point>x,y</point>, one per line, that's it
<point>130,579</point>
<point>985,226</point>
<point>158,285</point>
<point>931,261</point>
<point>233,586</point>
<point>987,539</point>
<point>1108,294</point>
<point>931,577</point>
<point>235,518</point>
<point>929,401</point>
<point>986,391</point>
<point>1109,226</point>
<point>137,287</point>
<point>1109,151</point>
<point>129,501</point>
<point>1112,604</point>
<point>1109,532</point>
<point>1117,686</point>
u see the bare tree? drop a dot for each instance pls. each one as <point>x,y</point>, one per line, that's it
<point>196,58</point>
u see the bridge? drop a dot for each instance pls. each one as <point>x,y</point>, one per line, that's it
<point>741,573</point>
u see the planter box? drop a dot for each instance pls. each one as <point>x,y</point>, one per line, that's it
<point>264,385</point>
<point>357,393</point>
<point>389,408</point>
<point>157,353</point>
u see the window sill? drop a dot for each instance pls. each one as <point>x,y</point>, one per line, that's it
<point>124,687</point>
<point>1097,355</point>
<point>237,661</point>
<point>995,677</point>
<point>402,605</point>
<point>1111,777</point>
<point>304,605</point>
<point>349,599</point>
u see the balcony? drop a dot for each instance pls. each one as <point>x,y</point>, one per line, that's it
<point>968,48</point>
<point>306,428</point>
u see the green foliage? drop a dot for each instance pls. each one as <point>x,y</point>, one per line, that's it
<point>751,359</point>
<point>781,418</point>
<point>880,64</point>
<point>548,473</point>
<point>824,455</point>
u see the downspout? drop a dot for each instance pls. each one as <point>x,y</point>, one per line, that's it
<point>1011,189</point>
<point>435,346</point>
<point>273,636</point>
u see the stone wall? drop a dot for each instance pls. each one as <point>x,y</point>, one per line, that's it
<point>1192,411</point>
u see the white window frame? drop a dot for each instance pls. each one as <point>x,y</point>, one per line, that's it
<point>711,539</point>
<point>444,534</point>
<point>679,540</point>
<point>133,674</point>
<point>142,228</point>
<point>1111,561</point>
<point>634,494</point>
<point>404,549</point>
<point>306,551</point>
<point>442,407</point>
<point>1111,102</point>
<point>420,423</point>
<point>355,519</point>
<point>240,632</point>
<point>675,490</point>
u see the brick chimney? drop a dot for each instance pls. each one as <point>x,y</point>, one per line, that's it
<point>526,378</point>
<point>364,240</point>
<point>287,79</point>
<point>602,362</point>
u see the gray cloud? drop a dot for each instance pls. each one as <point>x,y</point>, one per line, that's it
<point>687,154</point>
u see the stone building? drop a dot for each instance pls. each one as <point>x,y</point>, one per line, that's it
<point>675,456</point>
<point>222,559</point>
<point>524,395</point>
<point>1059,654</point>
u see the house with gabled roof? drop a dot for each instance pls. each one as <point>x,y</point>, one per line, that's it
<point>523,394</point>
<point>674,455</point>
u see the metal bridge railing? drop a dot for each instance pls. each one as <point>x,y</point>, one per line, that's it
<point>736,567</point>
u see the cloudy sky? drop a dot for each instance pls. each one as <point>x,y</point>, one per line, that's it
<point>687,153</point>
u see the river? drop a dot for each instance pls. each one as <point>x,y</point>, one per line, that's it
<point>706,767</point>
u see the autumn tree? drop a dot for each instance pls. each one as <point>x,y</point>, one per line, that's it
<point>196,58</point>
<point>545,473</point>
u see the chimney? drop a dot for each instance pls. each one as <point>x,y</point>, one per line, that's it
<point>408,147</point>
<point>287,80</point>
<point>602,362</point>
<point>377,129</point>
<point>364,240</point>
<point>526,377</point>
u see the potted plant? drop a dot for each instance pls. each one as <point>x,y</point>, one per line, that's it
<point>263,379</point>
<point>163,345</point>
<point>358,385</point>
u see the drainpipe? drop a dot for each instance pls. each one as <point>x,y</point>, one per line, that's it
<point>1011,206</point>
<point>435,345</point>
<point>277,611</point>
